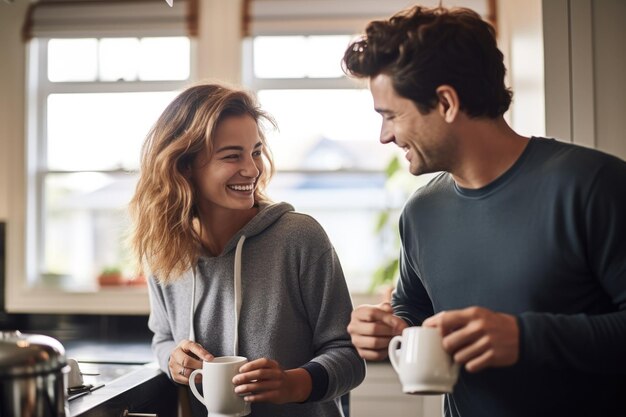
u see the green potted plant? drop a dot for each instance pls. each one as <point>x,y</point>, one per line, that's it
<point>386,274</point>
<point>402,183</point>
<point>110,276</point>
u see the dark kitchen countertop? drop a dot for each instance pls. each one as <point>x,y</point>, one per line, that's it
<point>128,371</point>
<point>137,375</point>
<point>117,349</point>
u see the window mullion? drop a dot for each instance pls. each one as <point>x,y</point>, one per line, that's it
<point>110,87</point>
<point>304,84</point>
<point>37,166</point>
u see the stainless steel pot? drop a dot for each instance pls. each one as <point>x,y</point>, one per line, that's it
<point>33,376</point>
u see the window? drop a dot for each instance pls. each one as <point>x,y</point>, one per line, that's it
<point>328,158</point>
<point>96,99</point>
<point>329,161</point>
<point>96,83</point>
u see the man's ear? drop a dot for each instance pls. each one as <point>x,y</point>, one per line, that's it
<point>448,104</point>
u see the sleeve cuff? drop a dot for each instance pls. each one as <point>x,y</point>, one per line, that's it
<point>319,380</point>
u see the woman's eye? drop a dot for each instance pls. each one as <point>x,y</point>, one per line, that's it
<point>234,156</point>
<point>256,154</point>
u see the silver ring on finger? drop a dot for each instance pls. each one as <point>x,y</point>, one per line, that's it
<point>182,371</point>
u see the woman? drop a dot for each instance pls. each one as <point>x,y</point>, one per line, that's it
<point>232,273</point>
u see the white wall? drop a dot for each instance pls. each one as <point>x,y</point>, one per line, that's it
<point>520,37</point>
<point>609,63</point>
<point>585,63</point>
<point>12,104</point>
<point>12,110</point>
<point>219,40</point>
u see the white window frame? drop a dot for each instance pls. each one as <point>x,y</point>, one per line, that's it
<point>21,295</point>
<point>256,84</point>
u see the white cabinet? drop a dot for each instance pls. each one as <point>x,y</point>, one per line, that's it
<point>381,395</point>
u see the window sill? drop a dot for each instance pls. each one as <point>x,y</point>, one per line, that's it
<point>108,300</point>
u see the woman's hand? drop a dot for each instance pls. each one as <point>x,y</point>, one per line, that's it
<point>262,380</point>
<point>186,357</point>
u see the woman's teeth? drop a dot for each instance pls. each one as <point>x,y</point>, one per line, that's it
<point>249,187</point>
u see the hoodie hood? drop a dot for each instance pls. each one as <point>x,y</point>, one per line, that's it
<point>268,214</point>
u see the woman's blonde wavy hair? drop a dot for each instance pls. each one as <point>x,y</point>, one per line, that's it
<point>165,226</point>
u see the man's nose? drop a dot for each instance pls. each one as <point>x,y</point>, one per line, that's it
<point>386,134</point>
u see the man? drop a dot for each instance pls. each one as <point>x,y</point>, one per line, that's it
<point>517,250</point>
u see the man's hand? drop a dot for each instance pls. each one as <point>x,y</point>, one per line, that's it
<point>263,380</point>
<point>478,337</point>
<point>371,329</point>
<point>186,357</point>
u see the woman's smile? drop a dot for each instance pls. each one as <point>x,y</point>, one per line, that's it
<point>247,188</point>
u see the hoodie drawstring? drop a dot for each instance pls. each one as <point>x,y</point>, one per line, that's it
<point>192,334</point>
<point>237,294</point>
<point>237,291</point>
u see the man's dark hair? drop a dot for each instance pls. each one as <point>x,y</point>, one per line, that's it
<point>423,48</point>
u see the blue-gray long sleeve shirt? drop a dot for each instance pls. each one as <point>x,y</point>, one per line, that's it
<point>545,242</point>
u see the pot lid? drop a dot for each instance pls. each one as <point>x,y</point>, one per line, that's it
<point>24,354</point>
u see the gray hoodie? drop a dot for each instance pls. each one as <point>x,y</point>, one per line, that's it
<point>295,306</point>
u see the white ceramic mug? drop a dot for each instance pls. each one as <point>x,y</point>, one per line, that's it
<point>421,363</point>
<point>219,396</point>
